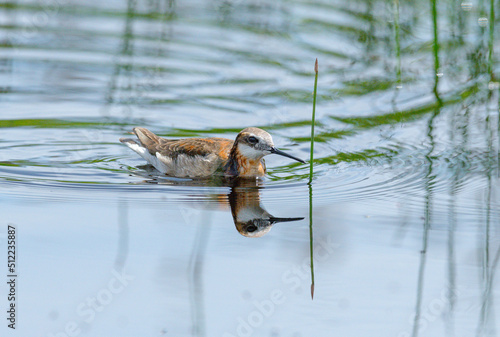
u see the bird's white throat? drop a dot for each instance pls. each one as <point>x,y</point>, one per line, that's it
<point>250,152</point>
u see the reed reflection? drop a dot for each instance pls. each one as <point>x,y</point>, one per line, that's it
<point>429,177</point>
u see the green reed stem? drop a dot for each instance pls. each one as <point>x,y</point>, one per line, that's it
<point>313,121</point>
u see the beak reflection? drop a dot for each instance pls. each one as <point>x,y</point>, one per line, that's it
<point>250,218</point>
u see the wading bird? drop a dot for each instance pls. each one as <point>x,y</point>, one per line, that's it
<point>204,157</point>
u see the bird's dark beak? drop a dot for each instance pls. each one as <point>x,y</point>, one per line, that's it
<point>277,220</point>
<point>284,154</point>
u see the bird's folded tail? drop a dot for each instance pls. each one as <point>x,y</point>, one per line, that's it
<point>128,141</point>
<point>148,139</point>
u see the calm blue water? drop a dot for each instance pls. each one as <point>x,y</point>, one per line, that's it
<point>404,201</point>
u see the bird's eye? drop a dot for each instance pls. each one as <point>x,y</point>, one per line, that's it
<point>251,228</point>
<point>252,140</point>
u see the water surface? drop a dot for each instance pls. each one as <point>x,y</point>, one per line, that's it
<point>404,200</point>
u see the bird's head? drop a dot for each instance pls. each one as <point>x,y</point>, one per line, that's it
<point>255,143</point>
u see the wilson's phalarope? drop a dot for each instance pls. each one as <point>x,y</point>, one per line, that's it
<point>202,157</point>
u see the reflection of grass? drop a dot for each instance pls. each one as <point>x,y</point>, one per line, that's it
<point>22,163</point>
<point>361,156</point>
<point>368,73</point>
<point>365,156</point>
<point>87,11</point>
<point>323,24</point>
<point>408,115</point>
<point>55,123</point>
<point>397,41</point>
<point>324,137</point>
<point>293,95</point>
<point>178,132</point>
<point>311,246</point>
<point>366,86</point>
<point>311,164</point>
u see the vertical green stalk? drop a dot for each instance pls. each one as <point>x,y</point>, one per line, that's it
<point>313,121</point>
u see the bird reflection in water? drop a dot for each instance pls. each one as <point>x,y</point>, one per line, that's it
<point>250,218</point>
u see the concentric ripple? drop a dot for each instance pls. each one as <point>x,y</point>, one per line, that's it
<point>73,84</point>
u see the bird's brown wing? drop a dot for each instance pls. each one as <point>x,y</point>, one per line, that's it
<point>196,147</point>
<point>190,146</point>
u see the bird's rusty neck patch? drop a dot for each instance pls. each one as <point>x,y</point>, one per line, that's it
<point>241,166</point>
